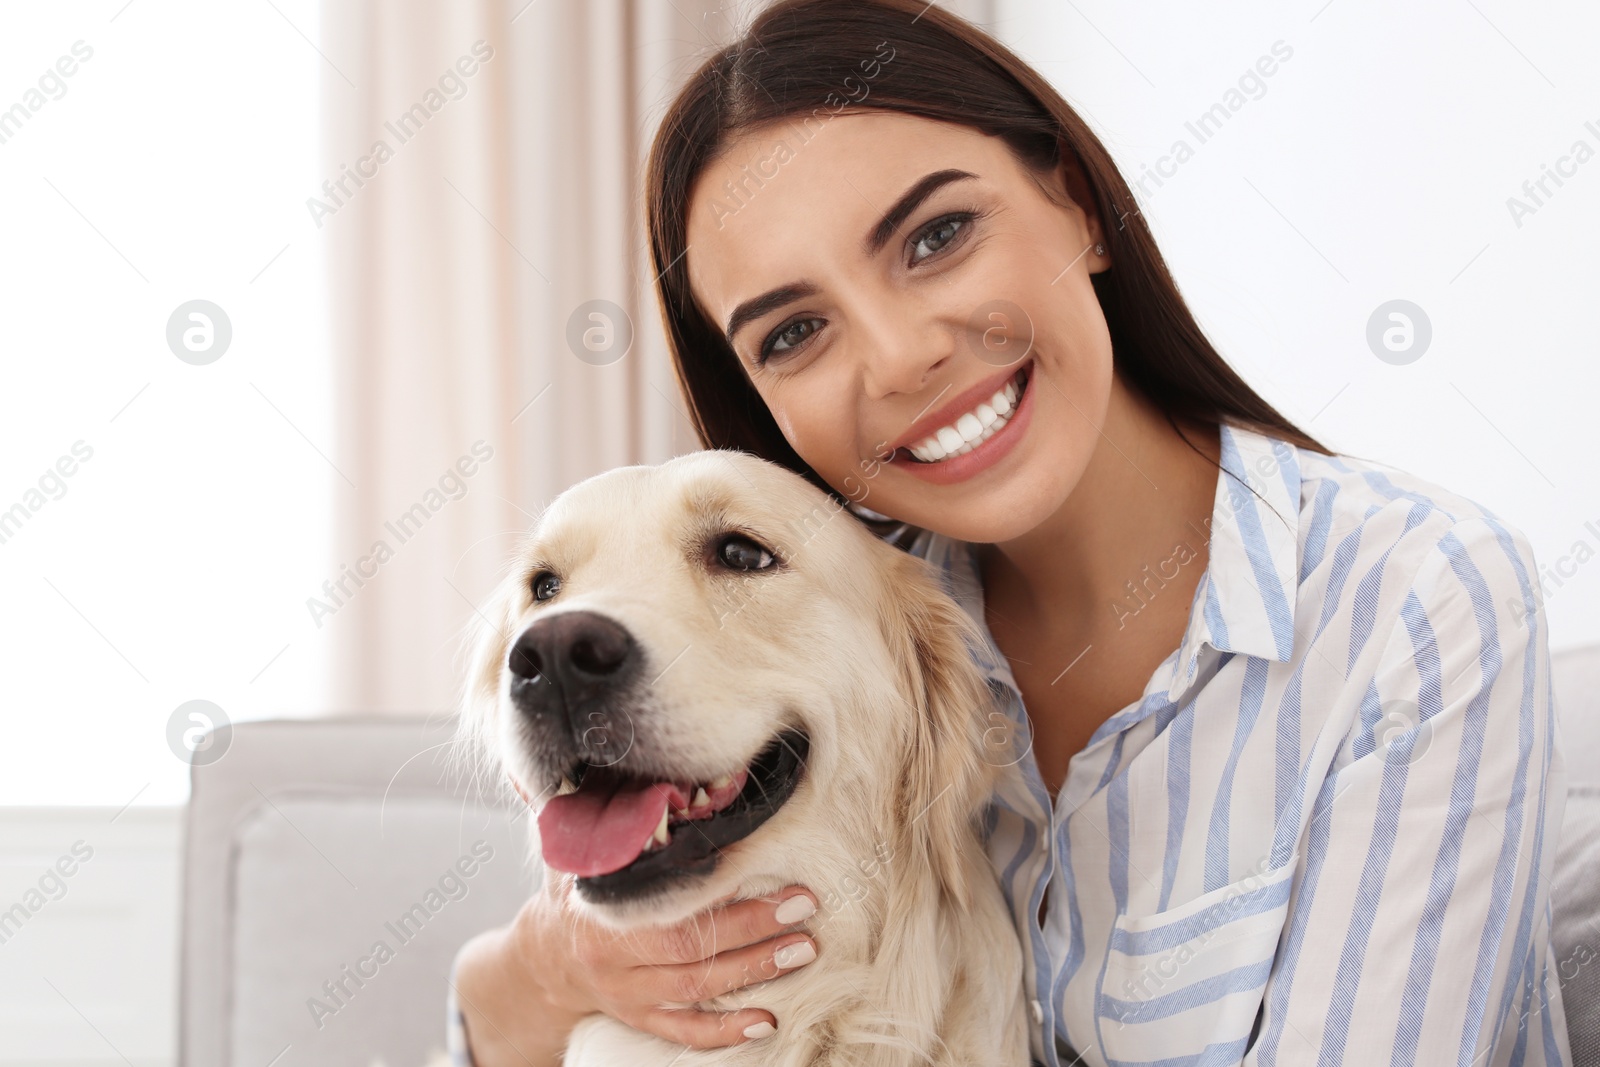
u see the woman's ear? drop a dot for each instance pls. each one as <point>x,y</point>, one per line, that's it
<point>1068,186</point>
<point>946,780</point>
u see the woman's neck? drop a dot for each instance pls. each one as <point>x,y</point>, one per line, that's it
<point>1144,492</point>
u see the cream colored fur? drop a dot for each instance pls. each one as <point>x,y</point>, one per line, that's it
<point>918,961</point>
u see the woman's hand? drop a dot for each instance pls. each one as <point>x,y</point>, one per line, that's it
<point>522,988</point>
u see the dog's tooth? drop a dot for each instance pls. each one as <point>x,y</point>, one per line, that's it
<point>566,787</point>
<point>661,836</point>
<point>721,780</point>
<point>700,798</point>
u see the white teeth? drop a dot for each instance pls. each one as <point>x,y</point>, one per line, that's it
<point>971,429</point>
<point>661,836</point>
<point>566,787</point>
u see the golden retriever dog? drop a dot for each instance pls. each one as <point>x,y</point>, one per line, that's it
<point>711,682</point>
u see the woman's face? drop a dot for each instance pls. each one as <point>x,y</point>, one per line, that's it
<point>881,282</point>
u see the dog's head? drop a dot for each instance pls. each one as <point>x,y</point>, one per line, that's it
<point>696,672</point>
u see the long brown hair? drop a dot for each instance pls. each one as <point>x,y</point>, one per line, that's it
<point>800,58</point>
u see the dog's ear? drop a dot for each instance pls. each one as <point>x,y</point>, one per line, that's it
<point>485,642</point>
<point>945,775</point>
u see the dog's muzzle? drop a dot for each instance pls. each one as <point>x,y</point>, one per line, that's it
<point>574,674</point>
<point>627,828</point>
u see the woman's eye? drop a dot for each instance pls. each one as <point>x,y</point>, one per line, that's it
<point>789,336</point>
<point>546,586</point>
<point>937,235</point>
<point>742,554</point>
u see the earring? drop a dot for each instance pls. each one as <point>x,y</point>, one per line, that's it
<point>1099,249</point>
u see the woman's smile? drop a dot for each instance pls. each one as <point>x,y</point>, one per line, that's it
<point>966,436</point>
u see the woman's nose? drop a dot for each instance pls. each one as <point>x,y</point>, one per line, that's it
<point>900,355</point>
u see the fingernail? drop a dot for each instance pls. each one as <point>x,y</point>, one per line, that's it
<point>794,909</point>
<point>760,1029</point>
<point>795,955</point>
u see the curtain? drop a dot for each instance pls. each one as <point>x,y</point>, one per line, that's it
<point>495,333</point>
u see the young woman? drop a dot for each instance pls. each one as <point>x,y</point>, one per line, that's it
<point>1289,789</point>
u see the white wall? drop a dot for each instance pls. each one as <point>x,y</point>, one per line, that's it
<point>173,164</point>
<point>1376,163</point>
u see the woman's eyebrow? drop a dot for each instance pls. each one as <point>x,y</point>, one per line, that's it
<point>768,301</point>
<point>871,245</point>
<point>909,201</point>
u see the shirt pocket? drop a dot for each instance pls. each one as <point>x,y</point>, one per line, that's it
<point>1185,984</point>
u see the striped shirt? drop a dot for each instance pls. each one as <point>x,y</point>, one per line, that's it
<point>1326,832</point>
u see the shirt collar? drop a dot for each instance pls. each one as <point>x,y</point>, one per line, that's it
<point>1245,600</point>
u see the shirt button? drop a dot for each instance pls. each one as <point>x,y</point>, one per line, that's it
<point>1038,1011</point>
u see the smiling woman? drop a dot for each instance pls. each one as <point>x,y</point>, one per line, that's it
<point>1292,807</point>
<point>890,169</point>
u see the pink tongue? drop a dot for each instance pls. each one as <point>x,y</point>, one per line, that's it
<point>604,826</point>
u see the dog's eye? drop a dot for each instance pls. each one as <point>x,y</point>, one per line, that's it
<point>742,554</point>
<point>545,586</point>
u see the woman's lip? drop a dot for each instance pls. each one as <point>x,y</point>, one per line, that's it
<point>986,455</point>
<point>928,425</point>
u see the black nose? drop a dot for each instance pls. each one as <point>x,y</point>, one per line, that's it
<point>583,656</point>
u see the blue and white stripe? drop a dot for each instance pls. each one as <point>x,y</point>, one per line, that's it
<point>1325,834</point>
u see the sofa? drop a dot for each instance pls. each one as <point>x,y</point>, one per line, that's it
<point>333,867</point>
